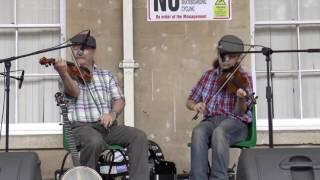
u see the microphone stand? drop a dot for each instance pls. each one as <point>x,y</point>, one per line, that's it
<point>13,77</point>
<point>7,62</point>
<point>267,53</point>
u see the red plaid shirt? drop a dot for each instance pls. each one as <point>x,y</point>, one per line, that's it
<point>221,104</point>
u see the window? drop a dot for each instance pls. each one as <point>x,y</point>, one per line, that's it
<point>283,25</point>
<point>27,26</point>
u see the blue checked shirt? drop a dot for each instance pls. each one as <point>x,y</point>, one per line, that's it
<point>105,89</point>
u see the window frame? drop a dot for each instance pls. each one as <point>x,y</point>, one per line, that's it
<point>292,123</point>
<point>34,128</point>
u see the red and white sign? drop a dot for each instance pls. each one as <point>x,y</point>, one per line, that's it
<point>188,10</point>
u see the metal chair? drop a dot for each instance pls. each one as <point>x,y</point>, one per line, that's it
<point>111,147</point>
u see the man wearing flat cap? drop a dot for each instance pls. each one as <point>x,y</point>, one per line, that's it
<point>93,109</point>
<point>225,113</point>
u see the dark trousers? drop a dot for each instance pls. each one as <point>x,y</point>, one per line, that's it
<point>220,132</point>
<point>93,137</point>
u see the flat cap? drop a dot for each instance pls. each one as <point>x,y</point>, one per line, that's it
<point>80,38</point>
<point>230,43</point>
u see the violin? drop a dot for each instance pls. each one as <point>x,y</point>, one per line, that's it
<point>231,80</point>
<point>84,75</point>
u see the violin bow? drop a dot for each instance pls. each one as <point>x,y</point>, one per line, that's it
<point>195,117</point>
<point>85,83</point>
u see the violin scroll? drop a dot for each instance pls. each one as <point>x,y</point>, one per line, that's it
<point>47,61</point>
<point>84,76</point>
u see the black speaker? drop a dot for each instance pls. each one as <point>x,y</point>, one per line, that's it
<point>279,164</point>
<point>163,170</point>
<point>19,165</point>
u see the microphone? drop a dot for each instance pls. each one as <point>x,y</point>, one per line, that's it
<point>21,79</point>
<point>83,44</point>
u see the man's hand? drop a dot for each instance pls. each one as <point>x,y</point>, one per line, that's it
<point>241,106</point>
<point>200,107</point>
<point>241,93</point>
<point>107,119</point>
<point>61,66</point>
